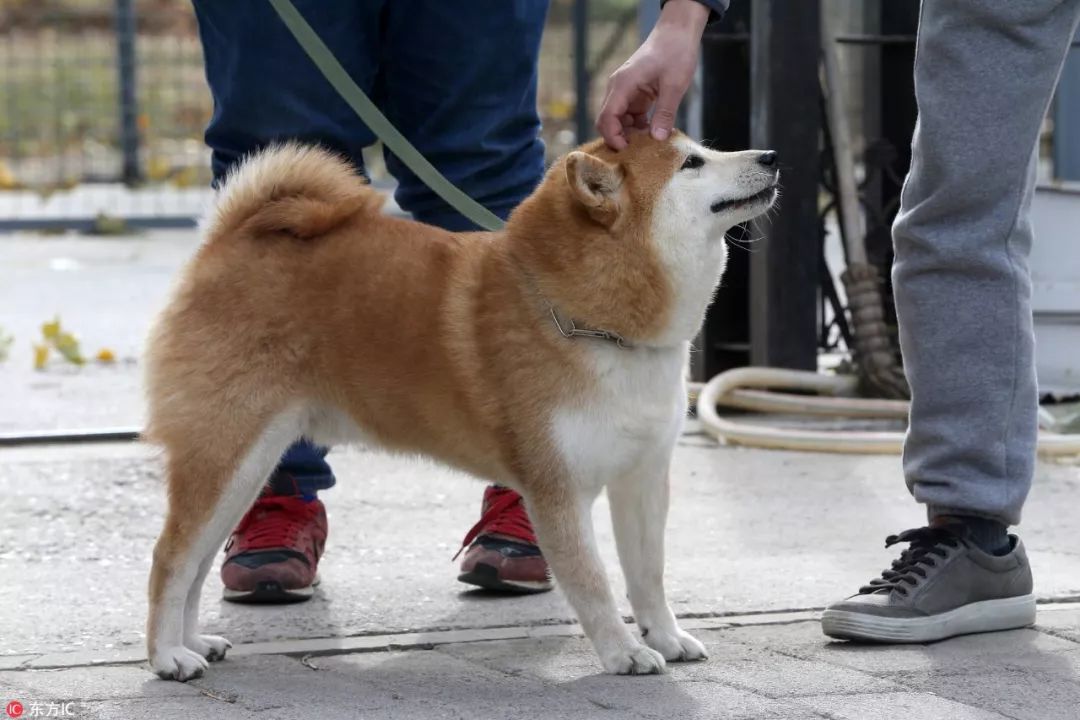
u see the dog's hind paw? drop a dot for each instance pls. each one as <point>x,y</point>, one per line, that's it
<point>178,663</point>
<point>634,660</point>
<point>211,647</point>
<point>679,646</point>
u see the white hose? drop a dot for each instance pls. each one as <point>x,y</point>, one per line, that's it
<point>743,388</point>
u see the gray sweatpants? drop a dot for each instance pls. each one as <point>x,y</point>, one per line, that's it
<point>985,72</point>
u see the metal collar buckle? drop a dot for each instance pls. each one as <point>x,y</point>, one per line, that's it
<point>569,330</point>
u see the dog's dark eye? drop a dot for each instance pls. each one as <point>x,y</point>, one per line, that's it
<point>693,162</point>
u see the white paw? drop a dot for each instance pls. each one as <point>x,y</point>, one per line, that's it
<point>178,663</point>
<point>677,646</point>
<point>211,647</point>
<point>633,660</point>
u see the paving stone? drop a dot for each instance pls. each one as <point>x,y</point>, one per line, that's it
<point>432,681</point>
<point>804,641</point>
<point>890,706</point>
<point>661,697</point>
<point>551,660</point>
<point>794,637</point>
<point>1046,690</point>
<point>1061,622</point>
<point>770,673</point>
<point>570,664</point>
<point>199,707</point>
<point>270,682</point>
<point>1032,676</point>
<point>93,683</point>
<point>15,662</point>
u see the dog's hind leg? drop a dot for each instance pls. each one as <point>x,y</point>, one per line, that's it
<point>560,514</point>
<point>639,507</point>
<point>209,491</point>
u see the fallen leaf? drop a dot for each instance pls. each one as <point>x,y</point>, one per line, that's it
<point>51,330</point>
<point>41,356</point>
<point>68,346</point>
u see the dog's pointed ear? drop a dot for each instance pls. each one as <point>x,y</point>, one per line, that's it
<point>595,184</point>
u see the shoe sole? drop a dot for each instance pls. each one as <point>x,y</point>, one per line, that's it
<point>979,617</point>
<point>487,577</point>
<point>270,592</point>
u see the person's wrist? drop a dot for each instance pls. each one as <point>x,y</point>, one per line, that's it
<point>684,15</point>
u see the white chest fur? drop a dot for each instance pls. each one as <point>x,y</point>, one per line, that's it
<point>631,417</point>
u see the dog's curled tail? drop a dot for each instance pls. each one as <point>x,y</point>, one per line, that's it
<point>302,190</point>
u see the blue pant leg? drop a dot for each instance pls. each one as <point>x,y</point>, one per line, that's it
<point>303,470</point>
<point>266,89</point>
<point>460,83</point>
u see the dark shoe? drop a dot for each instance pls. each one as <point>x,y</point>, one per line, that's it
<point>502,553</point>
<point>273,555</point>
<point>941,586</point>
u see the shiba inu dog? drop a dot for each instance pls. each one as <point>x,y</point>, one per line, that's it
<point>547,357</point>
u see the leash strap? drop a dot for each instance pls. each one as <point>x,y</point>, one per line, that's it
<point>361,104</point>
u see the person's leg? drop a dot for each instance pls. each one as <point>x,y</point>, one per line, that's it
<point>984,76</point>
<point>984,79</point>
<point>460,83</point>
<point>266,90</point>
<point>303,471</point>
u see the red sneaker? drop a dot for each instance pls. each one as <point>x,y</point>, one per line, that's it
<point>273,554</point>
<point>503,554</point>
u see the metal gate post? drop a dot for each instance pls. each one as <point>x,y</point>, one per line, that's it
<point>724,342</point>
<point>129,109</point>
<point>786,117</point>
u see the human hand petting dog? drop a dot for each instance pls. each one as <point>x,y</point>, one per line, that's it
<point>658,73</point>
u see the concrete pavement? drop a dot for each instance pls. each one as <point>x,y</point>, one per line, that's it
<point>748,532</point>
<point>757,541</point>
<point>764,666</point>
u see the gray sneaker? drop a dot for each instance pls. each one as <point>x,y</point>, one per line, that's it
<point>941,586</point>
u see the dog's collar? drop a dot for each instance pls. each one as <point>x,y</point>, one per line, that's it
<point>566,325</point>
<point>569,330</point>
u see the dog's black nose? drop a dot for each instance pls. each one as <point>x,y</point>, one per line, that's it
<point>768,159</point>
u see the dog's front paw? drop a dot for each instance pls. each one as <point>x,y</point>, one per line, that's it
<point>211,647</point>
<point>677,646</point>
<point>178,663</point>
<point>634,659</point>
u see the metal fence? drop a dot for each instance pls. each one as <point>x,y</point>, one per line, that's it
<point>103,104</point>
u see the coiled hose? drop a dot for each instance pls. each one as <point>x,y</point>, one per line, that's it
<point>756,389</point>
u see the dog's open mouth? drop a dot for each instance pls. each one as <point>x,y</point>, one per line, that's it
<point>766,196</point>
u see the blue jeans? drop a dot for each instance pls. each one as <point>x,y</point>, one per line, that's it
<point>458,79</point>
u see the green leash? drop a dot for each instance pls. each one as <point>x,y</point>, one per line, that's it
<point>384,130</point>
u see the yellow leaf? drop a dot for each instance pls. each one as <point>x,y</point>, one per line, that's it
<point>51,330</point>
<point>185,177</point>
<point>157,168</point>
<point>559,109</point>
<point>68,346</point>
<point>105,355</point>
<point>7,178</point>
<point>41,356</point>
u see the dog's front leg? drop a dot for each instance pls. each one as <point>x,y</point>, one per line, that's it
<point>560,514</point>
<point>639,507</point>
